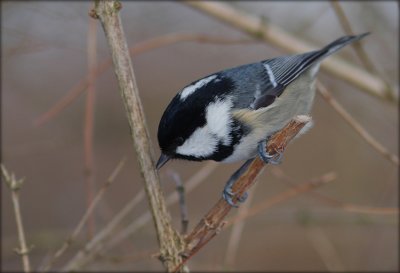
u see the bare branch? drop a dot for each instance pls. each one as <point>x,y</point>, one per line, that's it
<point>305,187</point>
<point>212,222</point>
<point>277,172</point>
<point>256,27</point>
<point>359,49</point>
<point>89,121</point>
<point>15,185</point>
<point>355,125</point>
<point>71,239</point>
<point>170,241</point>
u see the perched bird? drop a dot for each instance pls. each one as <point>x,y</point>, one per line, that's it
<point>229,115</point>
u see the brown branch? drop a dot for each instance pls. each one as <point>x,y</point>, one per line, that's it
<point>359,49</point>
<point>15,185</point>
<point>89,211</point>
<point>89,122</point>
<point>355,125</point>
<point>212,222</point>
<point>277,172</point>
<point>141,47</point>
<point>170,241</point>
<point>258,28</point>
<point>302,188</point>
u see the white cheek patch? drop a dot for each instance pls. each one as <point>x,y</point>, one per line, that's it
<point>219,119</point>
<point>187,91</point>
<point>200,143</point>
<point>203,142</point>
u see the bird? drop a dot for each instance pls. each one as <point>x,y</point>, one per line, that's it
<point>228,116</point>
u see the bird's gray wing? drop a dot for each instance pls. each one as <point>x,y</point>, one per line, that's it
<point>283,70</point>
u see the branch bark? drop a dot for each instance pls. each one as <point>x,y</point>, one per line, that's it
<point>213,221</point>
<point>170,242</point>
<point>15,185</point>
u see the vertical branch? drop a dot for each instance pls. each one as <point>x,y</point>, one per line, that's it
<point>170,242</point>
<point>89,121</point>
<point>15,185</point>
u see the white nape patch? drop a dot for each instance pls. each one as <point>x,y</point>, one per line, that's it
<point>270,75</point>
<point>219,119</point>
<point>187,91</point>
<point>204,140</point>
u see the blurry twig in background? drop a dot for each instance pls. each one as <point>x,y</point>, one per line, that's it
<point>97,243</point>
<point>180,189</point>
<point>294,191</point>
<point>89,122</point>
<point>213,221</point>
<point>256,27</point>
<point>325,249</point>
<point>355,125</point>
<point>15,185</point>
<point>359,49</point>
<point>141,47</point>
<point>277,172</point>
<point>89,211</point>
<point>236,233</point>
<point>170,241</point>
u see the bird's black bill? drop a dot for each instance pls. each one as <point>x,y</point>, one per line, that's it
<point>161,161</point>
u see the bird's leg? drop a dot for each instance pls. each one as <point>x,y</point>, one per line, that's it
<point>227,194</point>
<point>266,157</point>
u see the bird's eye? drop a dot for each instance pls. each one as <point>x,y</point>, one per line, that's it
<point>179,141</point>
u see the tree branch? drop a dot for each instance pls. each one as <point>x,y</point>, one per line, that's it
<point>323,91</point>
<point>170,242</point>
<point>212,222</point>
<point>15,185</point>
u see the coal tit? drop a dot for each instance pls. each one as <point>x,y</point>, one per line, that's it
<point>229,115</point>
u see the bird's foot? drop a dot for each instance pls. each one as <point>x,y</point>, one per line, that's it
<point>227,193</point>
<point>266,157</point>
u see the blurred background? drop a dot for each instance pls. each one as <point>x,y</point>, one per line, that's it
<point>47,48</point>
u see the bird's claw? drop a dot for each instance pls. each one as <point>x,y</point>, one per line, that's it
<point>228,195</point>
<point>266,157</point>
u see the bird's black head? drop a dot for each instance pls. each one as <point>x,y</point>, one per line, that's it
<point>197,121</point>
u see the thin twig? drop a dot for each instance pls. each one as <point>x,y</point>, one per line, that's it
<point>323,91</point>
<point>258,28</point>
<point>359,49</point>
<point>97,240</point>
<point>212,222</point>
<point>304,187</point>
<point>180,189</point>
<point>15,185</point>
<point>141,47</point>
<point>324,247</point>
<point>91,248</point>
<point>170,241</point>
<point>89,211</point>
<point>89,122</point>
<point>277,172</point>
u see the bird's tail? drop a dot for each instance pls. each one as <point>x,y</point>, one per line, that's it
<point>339,43</point>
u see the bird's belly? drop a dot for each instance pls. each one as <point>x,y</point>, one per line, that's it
<point>246,148</point>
